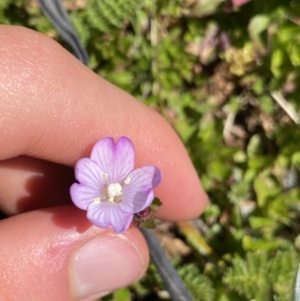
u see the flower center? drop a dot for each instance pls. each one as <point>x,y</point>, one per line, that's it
<point>113,191</point>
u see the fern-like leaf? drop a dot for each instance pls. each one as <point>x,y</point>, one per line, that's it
<point>106,15</point>
<point>264,277</point>
<point>198,284</point>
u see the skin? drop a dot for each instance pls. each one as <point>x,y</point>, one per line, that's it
<point>53,110</point>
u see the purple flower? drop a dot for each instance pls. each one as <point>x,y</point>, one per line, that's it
<point>109,189</point>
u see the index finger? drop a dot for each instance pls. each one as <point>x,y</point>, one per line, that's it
<point>54,108</point>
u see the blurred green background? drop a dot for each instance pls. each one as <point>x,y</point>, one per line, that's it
<point>225,75</point>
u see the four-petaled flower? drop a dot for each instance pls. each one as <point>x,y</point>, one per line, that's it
<point>109,189</point>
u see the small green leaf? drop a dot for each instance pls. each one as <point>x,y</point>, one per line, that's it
<point>155,204</point>
<point>257,25</point>
<point>148,224</point>
<point>122,294</point>
<point>251,244</point>
<point>277,60</point>
<point>219,170</point>
<point>257,222</point>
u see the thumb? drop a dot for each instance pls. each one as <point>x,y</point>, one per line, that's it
<point>55,254</point>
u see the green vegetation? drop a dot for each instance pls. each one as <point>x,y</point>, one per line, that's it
<point>227,81</point>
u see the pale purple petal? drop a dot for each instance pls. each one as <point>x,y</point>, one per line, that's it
<point>87,172</point>
<point>138,194</point>
<point>82,196</point>
<point>115,159</point>
<point>108,214</point>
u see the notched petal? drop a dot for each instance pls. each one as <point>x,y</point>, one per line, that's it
<point>88,172</point>
<point>115,159</point>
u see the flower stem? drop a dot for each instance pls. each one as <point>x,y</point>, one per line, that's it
<point>171,279</point>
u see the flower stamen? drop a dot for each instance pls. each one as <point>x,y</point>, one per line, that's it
<point>105,176</point>
<point>97,200</point>
<point>127,180</point>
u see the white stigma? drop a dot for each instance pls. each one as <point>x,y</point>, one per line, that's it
<point>114,190</point>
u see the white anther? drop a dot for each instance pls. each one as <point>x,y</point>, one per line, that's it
<point>97,200</point>
<point>105,176</point>
<point>114,189</point>
<point>127,180</point>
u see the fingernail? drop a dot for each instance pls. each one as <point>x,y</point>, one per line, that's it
<point>104,264</point>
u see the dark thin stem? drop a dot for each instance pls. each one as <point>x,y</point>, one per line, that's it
<point>171,279</point>
<point>57,14</point>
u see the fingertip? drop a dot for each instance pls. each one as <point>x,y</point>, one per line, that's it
<point>56,254</point>
<point>110,254</point>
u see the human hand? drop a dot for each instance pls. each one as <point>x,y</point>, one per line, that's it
<point>53,109</point>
